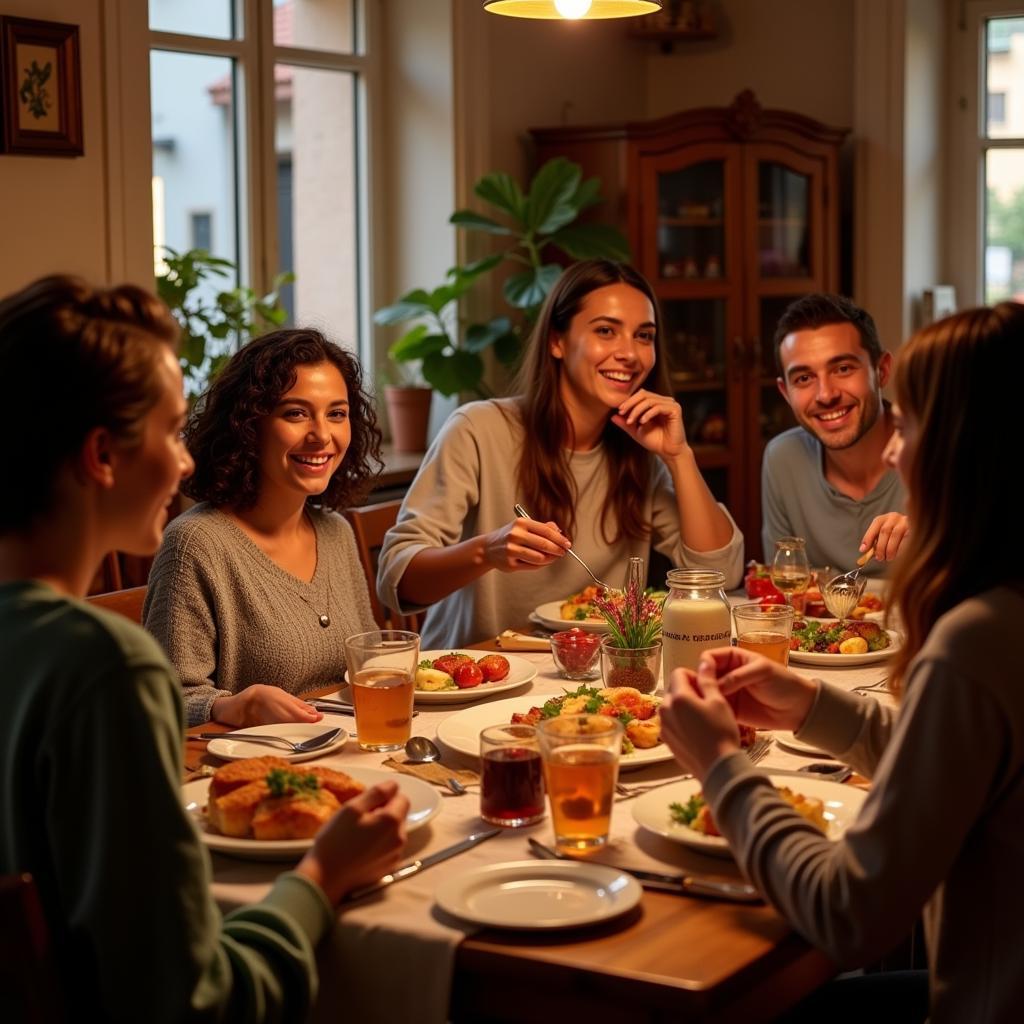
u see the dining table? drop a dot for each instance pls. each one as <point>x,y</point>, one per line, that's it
<point>396,956</point>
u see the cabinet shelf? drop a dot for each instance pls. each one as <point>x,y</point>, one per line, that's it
<point>690,222</point>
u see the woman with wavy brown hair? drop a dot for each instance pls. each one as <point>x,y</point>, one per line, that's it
<point>941,828</point>
<point>593,447</point>
<point>257,586</point>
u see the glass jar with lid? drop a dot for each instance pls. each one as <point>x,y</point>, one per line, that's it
<point>696,617</point>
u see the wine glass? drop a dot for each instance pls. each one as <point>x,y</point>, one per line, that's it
<point>791,572</point>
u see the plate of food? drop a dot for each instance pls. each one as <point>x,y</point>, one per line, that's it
<point>229,749</point>
<point>263,808</point>
<point>870,606</point>
<point>538,894</point>
<point>841,644</point>
<point>789,742</point>
<point>455,677</point>
<point>678,812</point>
<point>579,610</point>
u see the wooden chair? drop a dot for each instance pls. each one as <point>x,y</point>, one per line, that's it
<point>369,524</point>
<point>125,602</point>
<point>29,990</point>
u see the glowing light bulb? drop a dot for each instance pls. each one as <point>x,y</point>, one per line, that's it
<point>572,8</point>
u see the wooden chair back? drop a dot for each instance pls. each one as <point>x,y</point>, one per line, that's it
<point>29,989</point>
<point>369,524</point>
<point>125,602</point>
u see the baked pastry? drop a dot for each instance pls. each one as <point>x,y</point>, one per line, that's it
<point>240,773</point>
<point>341,786</point>
<point>295,816</point>
<point>232,813</point>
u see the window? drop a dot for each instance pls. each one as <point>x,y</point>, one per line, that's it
<point>1002,144</point>
<point>259,126</point>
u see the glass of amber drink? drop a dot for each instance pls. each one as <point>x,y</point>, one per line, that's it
<point>581,765</point>
<point>381,670</point>
<point>764,629</point>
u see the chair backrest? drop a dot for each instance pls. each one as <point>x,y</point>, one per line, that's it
<point>29,990</point>
<point>369,524</point>
<point>125,602</point>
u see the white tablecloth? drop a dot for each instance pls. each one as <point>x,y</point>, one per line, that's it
<point>390,957</point>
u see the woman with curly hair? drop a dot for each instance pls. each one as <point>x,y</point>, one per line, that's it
<point>593,446</point>
<point>940,832</point>
<point>256,587</point>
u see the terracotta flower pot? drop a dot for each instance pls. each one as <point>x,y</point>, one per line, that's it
<point>409,416</point>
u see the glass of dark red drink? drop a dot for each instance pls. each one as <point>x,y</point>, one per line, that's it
<point>511,776</point>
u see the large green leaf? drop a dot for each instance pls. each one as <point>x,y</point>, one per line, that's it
<point>532,286</point>
<point>508,348</point>
<point>592,242</point>
<point>480,336</point>
<point>549,203</point>
<point>417,344</point>
<point>453,372</point>
<point>413,304</point>
<point>503,191</point>
<point>587,195</point>
<point>477,222</point>
<point>473,270</point>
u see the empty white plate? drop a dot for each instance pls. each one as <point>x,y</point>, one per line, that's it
<point>229,749</point>
<point>539,894</point>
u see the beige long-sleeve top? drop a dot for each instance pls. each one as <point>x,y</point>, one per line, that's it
<point>228,616</point>
<point>466,486</point>
<point>942,828</point>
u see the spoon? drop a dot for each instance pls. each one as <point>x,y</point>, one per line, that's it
<point>520,511</point>
<point>420,750</point>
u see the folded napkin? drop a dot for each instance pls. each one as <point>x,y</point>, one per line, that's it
<point>510,640</point>
<point>434,772</point>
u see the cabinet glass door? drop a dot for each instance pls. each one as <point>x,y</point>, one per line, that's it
<point>783,221</point>
<point>691,225</point>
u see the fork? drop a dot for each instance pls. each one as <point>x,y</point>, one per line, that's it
<point>758,750</point>
<point>628,792</point>
<point>313,743</point>
<point>520,511</point>
<point>872,687</point>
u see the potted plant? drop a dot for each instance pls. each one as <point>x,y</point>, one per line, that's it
<point>536,223</point>
<point>631,652</point>
<point>207,326</point>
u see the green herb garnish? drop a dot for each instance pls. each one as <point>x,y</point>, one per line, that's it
<point>282,782</point>
<point>685,813</point>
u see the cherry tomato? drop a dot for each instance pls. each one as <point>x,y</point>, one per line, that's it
<point>467,675</point>
<point>494,667</point>
<point>449,662</point>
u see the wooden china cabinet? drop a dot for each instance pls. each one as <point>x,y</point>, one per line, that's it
<point>731,214</point>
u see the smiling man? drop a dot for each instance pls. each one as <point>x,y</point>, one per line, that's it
<point>825,480</point>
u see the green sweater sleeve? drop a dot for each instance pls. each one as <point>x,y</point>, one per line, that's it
<point>134,878</point>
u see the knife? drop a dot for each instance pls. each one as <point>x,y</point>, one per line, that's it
<point>688,885</point>
<point>336,707</point>
<point>414,867</point>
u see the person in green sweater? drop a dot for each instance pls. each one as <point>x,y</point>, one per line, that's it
<point>91,711</point>
<point>940,832</point>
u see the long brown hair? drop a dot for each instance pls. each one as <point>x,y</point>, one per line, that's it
<point>543,476</point>
<point>956,383</point>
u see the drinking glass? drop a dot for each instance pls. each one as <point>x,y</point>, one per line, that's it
<point>381,670</point>
<point>764,629</point>
<point>511,776</point>
<point>791,572</point>
<point>581,767</point>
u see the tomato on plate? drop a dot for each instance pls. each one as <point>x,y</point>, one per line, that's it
<point>467,674</point>
<point>758,581</point>
<point>494,667</point>
<point>449,662</point>
<point>767,600</point>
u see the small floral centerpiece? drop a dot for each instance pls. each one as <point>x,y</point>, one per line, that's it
<point>631,653</point>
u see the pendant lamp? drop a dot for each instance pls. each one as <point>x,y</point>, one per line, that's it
<point>572,10</point>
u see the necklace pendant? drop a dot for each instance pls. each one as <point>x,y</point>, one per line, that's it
<point>325,620</point>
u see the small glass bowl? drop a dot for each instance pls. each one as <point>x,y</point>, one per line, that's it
<point>577,653</point>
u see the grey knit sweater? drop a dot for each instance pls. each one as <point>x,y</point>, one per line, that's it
<point>228,616</point>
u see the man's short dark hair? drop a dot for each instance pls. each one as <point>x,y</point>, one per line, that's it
<point>820,309</point>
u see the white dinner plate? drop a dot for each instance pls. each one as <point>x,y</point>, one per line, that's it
<point>847,660</point>
<point>229,749</point>
<point>539,894</point>
<point>424,803</point>
<point>790,742</point>
<point>520,672</point>
<point>461,731</point>
<point>842,805</point>
<point>549,615</point>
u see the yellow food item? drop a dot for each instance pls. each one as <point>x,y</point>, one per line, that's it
<point>240,773</point>
<point>293,817</point>
<point>432,680</point>
<point>232,813</point>
<point>644,735</point>
<point>807,806</point>
<point>854,645</point>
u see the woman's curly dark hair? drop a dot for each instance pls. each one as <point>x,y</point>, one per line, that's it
<point>223,431</point>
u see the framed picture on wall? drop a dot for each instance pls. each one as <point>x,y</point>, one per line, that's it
<point>40,88</point>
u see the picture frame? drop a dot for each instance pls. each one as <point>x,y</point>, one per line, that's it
<point>40,88</point>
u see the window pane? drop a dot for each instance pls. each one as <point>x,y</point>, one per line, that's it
<point>691,229</point>
<point>315,24</point>
<point>317,225</point>
<point>210,18</point>
<point>1004,115</point>
<point>1004,225</point>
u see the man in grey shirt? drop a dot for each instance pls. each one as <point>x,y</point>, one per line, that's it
<point>825,480</point>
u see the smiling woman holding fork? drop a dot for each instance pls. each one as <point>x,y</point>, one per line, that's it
<point>593,446</point>
<point>941,829</point>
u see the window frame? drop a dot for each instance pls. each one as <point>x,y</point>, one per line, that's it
<point>255,56</point>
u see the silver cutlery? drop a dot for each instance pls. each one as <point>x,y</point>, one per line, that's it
<point>758,750</point>
<point>321,739</point>
<point>688,885</point>
<point>875,687</point>
<point>520,511</point>
<point>336,707</point>
<point>628,792</point>
<point>414,867</point>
